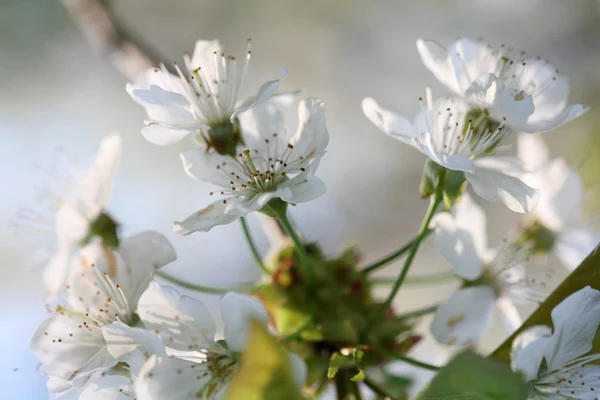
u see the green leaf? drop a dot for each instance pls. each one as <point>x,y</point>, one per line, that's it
<point>265,372</point>
<point>335,363</point>
<point>587,274</point>
<point>472,377</point>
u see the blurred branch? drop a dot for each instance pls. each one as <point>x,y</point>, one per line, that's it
<point>107,39</point>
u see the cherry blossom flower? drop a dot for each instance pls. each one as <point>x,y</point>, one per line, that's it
<point>493,278</point>
<point>105,288</point>
<point>194,363</point>
<point>73,210</point>
<point>527,94</point>
<point>276,164</point>
<point>444,132</point>
<point>556,224</point>
<point>204,102</point>
<point>558,365</point>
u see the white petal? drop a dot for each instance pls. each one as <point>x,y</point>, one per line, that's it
<point>180,320</point>
<point>576,320</point>
<point>159,96</point>
<point>56,271</point>
<point>161,135</point>
<point>267,90</point>
<point>144,253</point>
<point>303,189</point>
<point>206,166</point>
<point>389,122</point>
<point>238,311</point>
<point>132,345</point>
<point>510,314</point>
<point>471,218</point>
<point>109,387</point>
<point>500,179</point>
<point>561,197</point>
<point>299,369</point>
<point>205,219</point>
<point>203,57</point>
<point>464,317</point>
<point>68,348</point>
<point>171,378</point>
<point>99,179</point>
<point>457,246</point>
<point>436,59</point>
<point>427,145</point>
<point>568,114</point>
<point>533,152</point>
<point>528,350</point>
<point>311,136</point>
<point>574,245</point>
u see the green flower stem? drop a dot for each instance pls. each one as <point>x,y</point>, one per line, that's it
<point>203,289</point>
<point>428,279</point>
<point>386,260</point>
<point>355,390</point>
<point>253,248</point>
<point>418,313</point>
<point>408,360</point>
<point>305,263</point>
<point>434,202</point>
<point>374,386</point>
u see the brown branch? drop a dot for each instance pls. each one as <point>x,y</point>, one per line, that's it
<point>105,39</point>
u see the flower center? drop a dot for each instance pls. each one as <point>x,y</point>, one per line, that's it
<point>537,237</point>
<point>219,366</point>
<point>223,136</point>
<point>106,228</point>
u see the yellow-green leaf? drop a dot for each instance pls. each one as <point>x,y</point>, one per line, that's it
<point>587,274</point>
<point>265,372</point>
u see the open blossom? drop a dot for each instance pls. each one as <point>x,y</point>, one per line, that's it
<point>493,278</point>
<point>445,132</point>
<point>556,224</point>
<point>105,287</point>
<point>527,94</point>
<point>568,370</point>
<point>205,101</point>
<point>104,384</point>
<point>194,364</point>
<point>73,210</point>
<point>276,164</point>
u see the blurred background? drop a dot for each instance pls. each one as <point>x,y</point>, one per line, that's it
<point>56,93</point>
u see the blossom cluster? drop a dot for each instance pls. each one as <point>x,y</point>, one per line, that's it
<point>113,331</point>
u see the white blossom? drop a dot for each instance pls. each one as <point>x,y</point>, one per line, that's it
<point>558,364</point>
<point>557,223</point>
<point>444,132</point>
<point>276,164</point>
<point>529,94</point>
<point>105,287</point>
<point>194,364</point>
<point>207,96</point>
<point>72,207</point>
<point>493,278</point>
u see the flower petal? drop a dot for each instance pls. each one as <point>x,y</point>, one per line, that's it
<point>435,57</point>
<point>180,320</point>
<point>205,219</point>
<point>502,180</point>
<point>206,166</point>
<point>389,122</point>
<point>574,245</point>
<point>528,350</point>
<point>237,312</point>
<point>576,320</point>
<point>109,387</point>
<point>471,218</point>
<point>265,92</point>
<point>56,271</point>
<point>172,378</point>
<point>457,246</point>
<point>533,152</point>
<point>299,369</point>
<point>464,317</point>
<point>131,345</point>
<point>161,135</point>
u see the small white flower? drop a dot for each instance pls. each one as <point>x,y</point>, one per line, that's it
<point>445,133</point>
<point>276,163</point>
<point>105,384</point>
<point>105,287</point>
<point>73,210</point>
<point>494,278</point>
<point>178,105</point>
<point>529,94</point>
<point>568,371</point>
<point>556,222</point>
<point>195,365</point>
